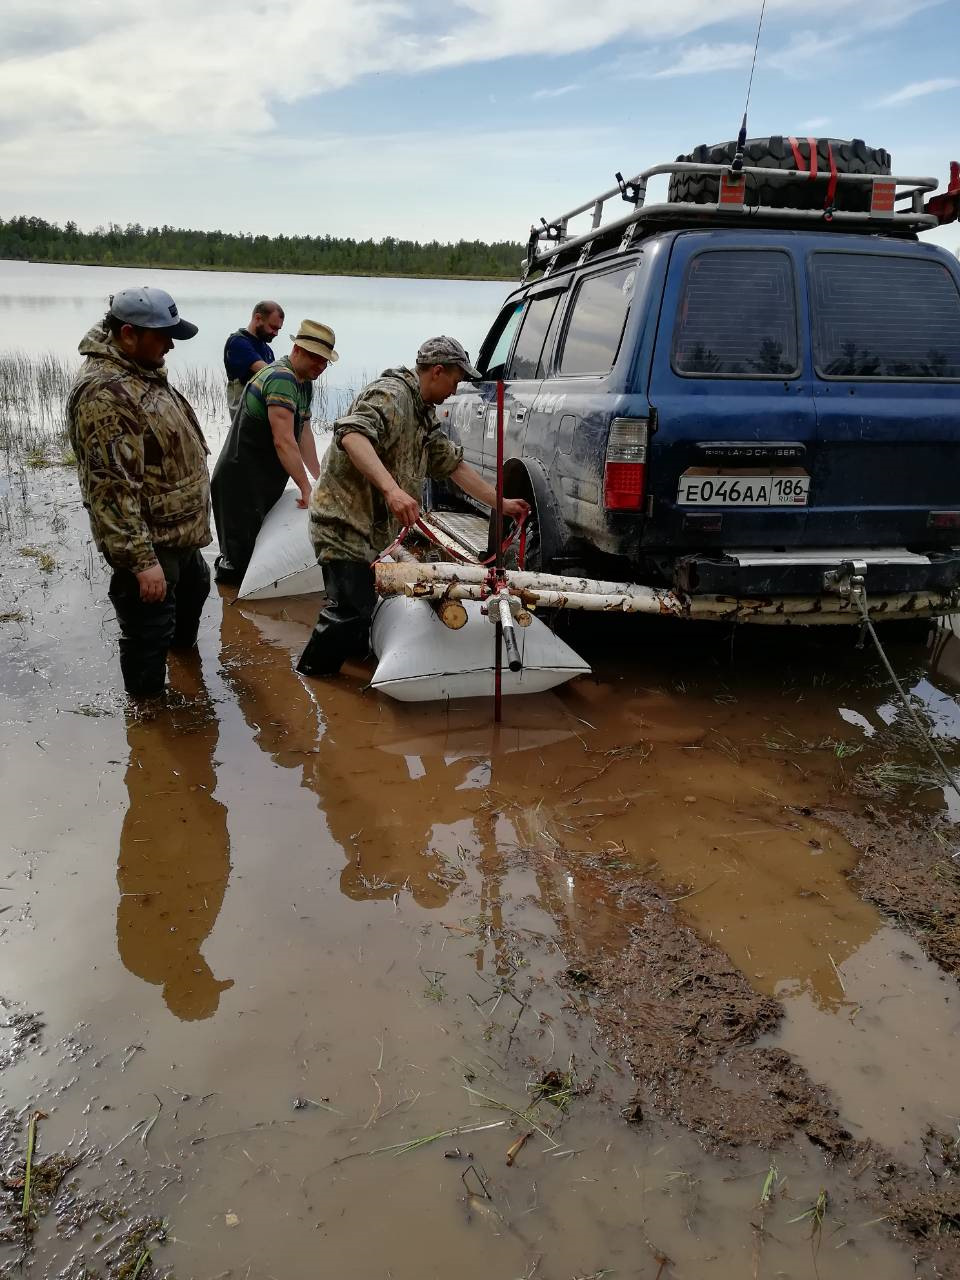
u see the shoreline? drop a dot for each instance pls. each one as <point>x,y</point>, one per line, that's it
<point>264,271</point>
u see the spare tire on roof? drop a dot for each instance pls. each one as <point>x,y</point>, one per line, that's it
<point>785,193</point>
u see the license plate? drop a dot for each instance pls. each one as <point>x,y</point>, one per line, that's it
<point>703,488</point>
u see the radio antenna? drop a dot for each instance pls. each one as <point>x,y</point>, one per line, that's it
<point>742,137</point>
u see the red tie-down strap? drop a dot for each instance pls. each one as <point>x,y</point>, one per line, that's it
<point>798,159</point>
<point>801,165</point>
<point>946,206</point>
<point>831,185</point>
<point>517,534</point>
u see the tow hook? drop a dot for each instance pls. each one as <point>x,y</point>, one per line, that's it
<point>847,580</point>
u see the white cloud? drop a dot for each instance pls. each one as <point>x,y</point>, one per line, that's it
<point>555,93</point>
<point>808,50</point>
<point>703,58</point>
<point>919,89</point>
<point>200,69</point>
<point>811,126</point>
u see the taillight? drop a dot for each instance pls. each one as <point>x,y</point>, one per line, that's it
<point>625,468</point>
<point>943,520</point>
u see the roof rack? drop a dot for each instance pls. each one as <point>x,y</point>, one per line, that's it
<point>730,209</point>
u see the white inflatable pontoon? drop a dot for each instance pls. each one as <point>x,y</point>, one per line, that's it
<point>283,561</point>
<point>422,660</point>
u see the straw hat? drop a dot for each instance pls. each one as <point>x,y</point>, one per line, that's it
<point>316,338</point>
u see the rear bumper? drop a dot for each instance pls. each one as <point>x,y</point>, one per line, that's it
<point>891,571</point>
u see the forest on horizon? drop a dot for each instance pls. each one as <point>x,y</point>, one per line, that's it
<point>36,240</point>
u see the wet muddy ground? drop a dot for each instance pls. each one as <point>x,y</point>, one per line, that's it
<point>656,980</point>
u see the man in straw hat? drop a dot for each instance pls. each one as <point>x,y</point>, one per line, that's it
<point>383,449</point>
<point>269,441</point>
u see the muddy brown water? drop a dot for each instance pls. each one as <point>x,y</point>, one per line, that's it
<point>282,927</point>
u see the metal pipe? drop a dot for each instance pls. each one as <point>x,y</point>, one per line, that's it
<point>509,635</point>
<point>498,569</point>
<point>690,166</point>
<point>694,212</point>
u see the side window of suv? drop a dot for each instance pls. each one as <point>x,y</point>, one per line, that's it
<point>884,316</point>
<point>536,322</point>
<point>497,344</point>
<point>597,321</point>
<point>737,316</point>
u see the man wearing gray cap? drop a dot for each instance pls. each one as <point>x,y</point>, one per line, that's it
<point>142,463</point>
<point>383,449</point>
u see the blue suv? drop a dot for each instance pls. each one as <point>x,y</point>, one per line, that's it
<point>735,399</point>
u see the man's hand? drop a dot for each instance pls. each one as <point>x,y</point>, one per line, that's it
<point>153,585</point>
<point>516,508</point>
<point>304,499</point>
<point>405,508</point>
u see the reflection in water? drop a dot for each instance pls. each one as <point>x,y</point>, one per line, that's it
<point>708,795</point>
<point>383,818</point>
<point>414,812</point>
<point>753,876</point>
<point>174,851</point>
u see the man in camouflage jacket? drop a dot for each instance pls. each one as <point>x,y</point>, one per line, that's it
<point>383,449</point>
<point>142,464</point>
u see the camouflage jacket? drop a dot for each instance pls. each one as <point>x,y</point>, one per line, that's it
<point>349,519</point>
<point>141,457</point>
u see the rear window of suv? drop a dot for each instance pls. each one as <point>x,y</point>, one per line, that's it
<point>737,316</point>
<point>884,316</point>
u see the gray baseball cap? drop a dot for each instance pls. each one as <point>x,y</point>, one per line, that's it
<point>444,350</point>
<point>150,308</point>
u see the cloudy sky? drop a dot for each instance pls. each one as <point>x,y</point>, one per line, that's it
<point>436,118</point>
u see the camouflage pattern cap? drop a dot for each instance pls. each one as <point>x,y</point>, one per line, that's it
<point>444,350</point>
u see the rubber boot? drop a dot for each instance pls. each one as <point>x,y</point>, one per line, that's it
<point>327,648</point>
<point>343,628</point>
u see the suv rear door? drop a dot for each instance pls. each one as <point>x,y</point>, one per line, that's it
<point>731,388</point>
<point>885,320</point>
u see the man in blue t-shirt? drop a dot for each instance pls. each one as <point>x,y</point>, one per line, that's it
<point>248,350</point>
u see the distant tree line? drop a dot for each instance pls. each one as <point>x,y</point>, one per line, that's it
<point>34,239</point>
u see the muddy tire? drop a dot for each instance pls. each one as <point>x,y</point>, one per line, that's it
<point>776,153</point>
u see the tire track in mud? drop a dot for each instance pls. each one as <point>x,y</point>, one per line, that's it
<point>690,1027</point>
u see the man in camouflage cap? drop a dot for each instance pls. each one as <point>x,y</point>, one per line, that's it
<point>383,449</point>
<point>142,461</point>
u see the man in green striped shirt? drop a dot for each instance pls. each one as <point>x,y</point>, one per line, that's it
<point>270,441</point>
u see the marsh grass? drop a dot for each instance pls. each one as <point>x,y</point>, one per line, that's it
<point>44,560</point>
<point>34,390</point>
<point>888,776</point>
<point>33,396</point>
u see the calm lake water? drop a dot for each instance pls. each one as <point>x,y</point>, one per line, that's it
<point>378,321</point>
